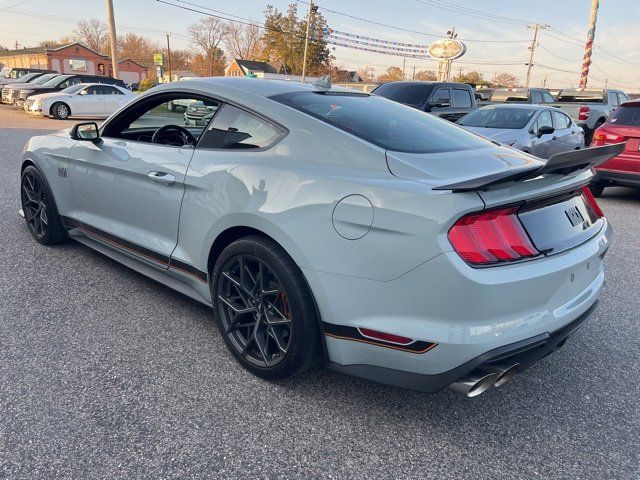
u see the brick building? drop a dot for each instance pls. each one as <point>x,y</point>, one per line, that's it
<point>72,58</point>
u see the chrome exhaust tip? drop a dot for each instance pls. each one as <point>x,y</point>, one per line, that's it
<point>474,384</point>
<point>505,372</point>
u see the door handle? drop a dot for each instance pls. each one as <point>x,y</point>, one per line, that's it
<point>162,177</point>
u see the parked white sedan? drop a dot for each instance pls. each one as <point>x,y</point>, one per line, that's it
<point>89,100</point>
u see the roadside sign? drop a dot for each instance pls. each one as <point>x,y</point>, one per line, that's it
<point>158,59</point>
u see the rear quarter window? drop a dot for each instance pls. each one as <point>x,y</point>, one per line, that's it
<point>384,123</point>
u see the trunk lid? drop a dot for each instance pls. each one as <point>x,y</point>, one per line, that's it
<point>552,206</point>
<point>631,134</point>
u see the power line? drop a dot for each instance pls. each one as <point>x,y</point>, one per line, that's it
<point>459,9</point>
<point>402,29</point>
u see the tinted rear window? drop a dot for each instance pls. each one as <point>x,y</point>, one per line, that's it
<point>384,123</point>
<point>581,97</point>
<point>407,93</point>
<point>629,116</point>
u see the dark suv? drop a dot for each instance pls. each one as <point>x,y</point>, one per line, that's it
<point>63,81</point>
<point>448,100</point>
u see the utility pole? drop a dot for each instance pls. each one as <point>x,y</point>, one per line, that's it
<point>306,40</point>
<point>413,77</point>
<point>606,83</point>
<point>169,57</point>
<point>588,48</point>
<point>534,44</point>
<point>544,82</point>
<point>404,64</point>
<point>114,40</point>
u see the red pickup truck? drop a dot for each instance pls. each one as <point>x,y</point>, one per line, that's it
<point>622,126</point>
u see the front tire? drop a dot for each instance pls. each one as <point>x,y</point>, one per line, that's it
<point>60,111</point>
<point>39,207</point>
<point>264,309</point>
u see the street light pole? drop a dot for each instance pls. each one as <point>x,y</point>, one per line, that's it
<point>306,40</point>
<point>113,40</point>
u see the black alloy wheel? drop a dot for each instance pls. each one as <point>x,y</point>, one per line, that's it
<point>39,209</point>
<point>254,311</point>
<point>264,309</point>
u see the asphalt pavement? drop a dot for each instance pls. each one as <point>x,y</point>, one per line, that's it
<point>107,374</point>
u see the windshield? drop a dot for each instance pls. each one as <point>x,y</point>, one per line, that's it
<point>44,79</point>
<point>496,117</point>
<point>54,82</point>
<point>384,123</point>
<point>74,88</point>
<point>627,115</point>
<point>407,93</point>
<point>581,97</point>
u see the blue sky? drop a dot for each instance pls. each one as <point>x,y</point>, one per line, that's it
<point>617,56</point>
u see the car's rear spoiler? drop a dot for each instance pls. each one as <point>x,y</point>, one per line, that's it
<point>561,163</point>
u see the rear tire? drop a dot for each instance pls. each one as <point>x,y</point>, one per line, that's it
<point>39,207</point>
<point>264,309</point>
<point>60,111</point>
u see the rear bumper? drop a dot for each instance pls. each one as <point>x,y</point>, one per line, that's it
<point>525,353</point>
<point>470,315</point>
<point>618,178</point>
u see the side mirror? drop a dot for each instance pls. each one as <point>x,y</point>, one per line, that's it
<point>545,130</point>
<point>86,132</point>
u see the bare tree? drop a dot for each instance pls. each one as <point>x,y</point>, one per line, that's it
<point>93,33</point>
<point>243,41</point>
<point>504,80</point>
<point>207,35</point>
<point>366,73</point>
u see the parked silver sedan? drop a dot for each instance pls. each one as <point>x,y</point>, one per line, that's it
<point>540,130</point>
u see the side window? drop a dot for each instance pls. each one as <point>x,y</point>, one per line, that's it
<point>622,97</point>
<point>544,120</point>
<point>441,97</point>
<point>182,111</point>
<point>613,98</point>
<point>234,128</point>
<point>547,97</point>
<point>562,121</point>
<point>73,81</point>
<point>93,90</point>
<point>536,97</point>
<point>108,90</point>
<point>461,98</point>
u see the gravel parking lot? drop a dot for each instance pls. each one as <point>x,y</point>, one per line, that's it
<point>106,374</point>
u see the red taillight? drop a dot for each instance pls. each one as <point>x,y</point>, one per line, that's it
<point>602,136</point>
<point>586,193</point>
<point>386,337</point>
<point>583,113</point>
<point>491,237</point>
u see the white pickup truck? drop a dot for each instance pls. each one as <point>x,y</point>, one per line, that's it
<point>589,108</point>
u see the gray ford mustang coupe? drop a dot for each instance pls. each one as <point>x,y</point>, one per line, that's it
<point>330,225</point>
